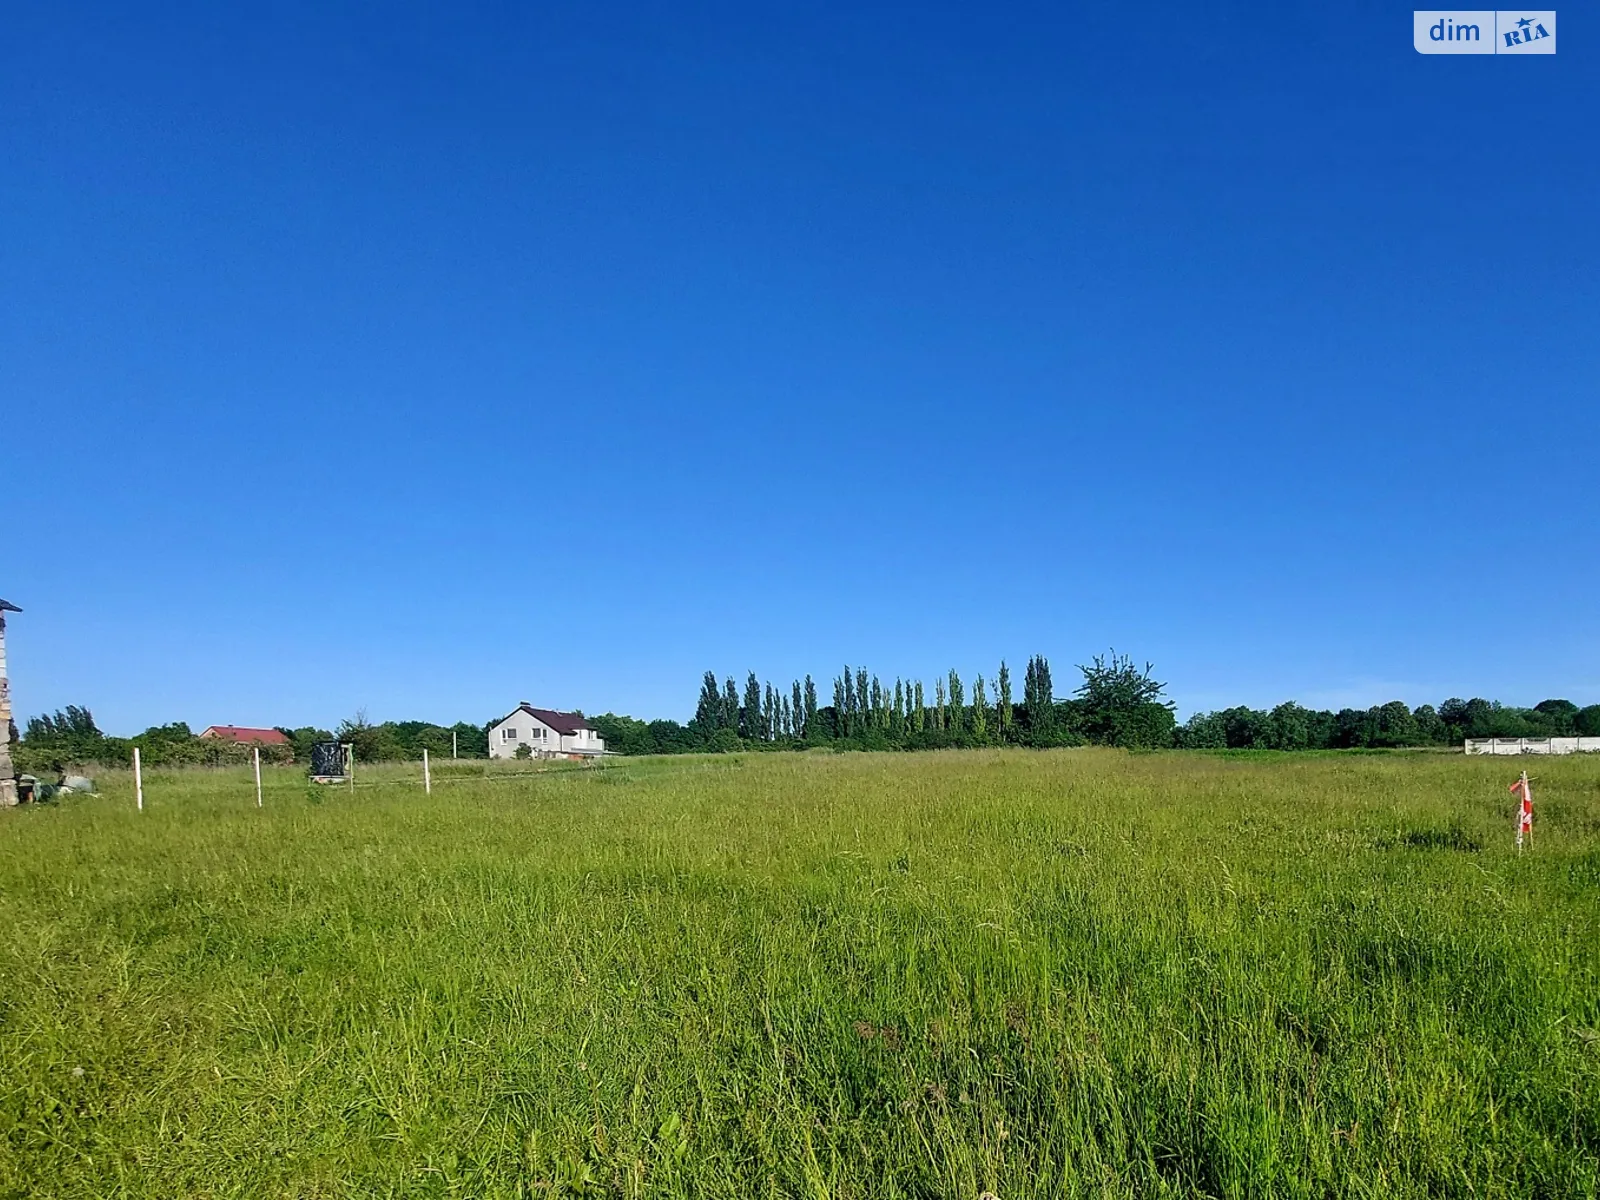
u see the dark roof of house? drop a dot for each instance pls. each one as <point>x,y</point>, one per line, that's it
<point>568,723</point>
<point>7,606</point>
<point>239,733</point>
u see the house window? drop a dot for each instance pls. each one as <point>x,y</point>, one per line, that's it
<point>508,735</point>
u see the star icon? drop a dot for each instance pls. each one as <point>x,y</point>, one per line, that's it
<point>1525,22</point>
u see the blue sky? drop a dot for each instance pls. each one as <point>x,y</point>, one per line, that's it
<point>426,361</point>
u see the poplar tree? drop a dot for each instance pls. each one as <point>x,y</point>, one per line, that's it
<point>841,714</point>
<point>958,710</point>
<point>980,711</point>
<point>809,726</point>
<point>786,720</point>
<point>769,714</point>
<point>852,701</point>
<point>1003,695</point>
<point>750,725</point>
<point>919,714</point>
<point>730,706</point>
<point>797,728</point>
<point>899,719</point>
<point>938,695</point>
<point>708,713</point>
<point>1039,696</point>
<point>863,710</point>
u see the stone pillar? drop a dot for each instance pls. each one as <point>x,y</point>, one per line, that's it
<point>8,783</point>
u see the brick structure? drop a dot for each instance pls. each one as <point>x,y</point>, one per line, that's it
<point>8,783</point>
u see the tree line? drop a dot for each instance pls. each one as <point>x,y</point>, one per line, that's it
<point>70,736</point>
<point>1291,727</point>
<point>1116,703</point>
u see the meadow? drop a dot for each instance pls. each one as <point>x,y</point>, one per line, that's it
<point>1044,974</point>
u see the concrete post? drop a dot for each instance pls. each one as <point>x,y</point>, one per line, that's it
<point>8,783</point>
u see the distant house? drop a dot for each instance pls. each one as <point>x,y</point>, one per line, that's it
<point>546,733</point>
<point>244,736</point>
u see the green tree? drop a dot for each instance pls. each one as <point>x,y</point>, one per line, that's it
<point>1586,722</point>
<point>958,713</point>
<point>724,741</point>
<point>750,715</point>
<point>472,741</point>
<point>1203,731</point>
<point>1392,724</point>
<point>66,736</point>
<point>629,735</point>
<point>1113,698</point>
<point>1247,728</point>
<point>1038,693</point>
<point>1289,727</point>
<point>302,739</point>
<point>812,729</point>
<point>1003,698</point>
<point>1558,717</point>
<point>939,722</point>
<point>368,742</point>
<point>1431,730</point>
<point>730,707</point>
<point>673,738</point>
<point>708,712</point>
<point>919,712</point>
<point>980,711</point>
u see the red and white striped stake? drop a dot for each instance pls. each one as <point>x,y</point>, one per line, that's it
<point>1524,810</point>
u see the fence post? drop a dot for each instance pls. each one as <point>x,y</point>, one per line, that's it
<point>138,781</point>
<point>258,776</point>
<point>427,777</point>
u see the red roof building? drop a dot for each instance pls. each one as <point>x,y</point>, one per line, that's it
<point>244,736</point>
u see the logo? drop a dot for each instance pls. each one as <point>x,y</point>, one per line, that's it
<point>1484,32</point>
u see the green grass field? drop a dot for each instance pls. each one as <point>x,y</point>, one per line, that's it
<point>1075,973</point>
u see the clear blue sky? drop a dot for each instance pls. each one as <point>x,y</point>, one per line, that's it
<point>426,361</point>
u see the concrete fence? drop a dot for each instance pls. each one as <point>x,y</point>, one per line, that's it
<point>1554,745</point>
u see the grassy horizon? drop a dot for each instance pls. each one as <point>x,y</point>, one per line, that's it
<point>1067,973</point>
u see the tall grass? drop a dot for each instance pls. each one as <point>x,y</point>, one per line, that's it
<point>1073,973</point>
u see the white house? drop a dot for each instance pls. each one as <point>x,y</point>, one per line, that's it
<point>546,733</point>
